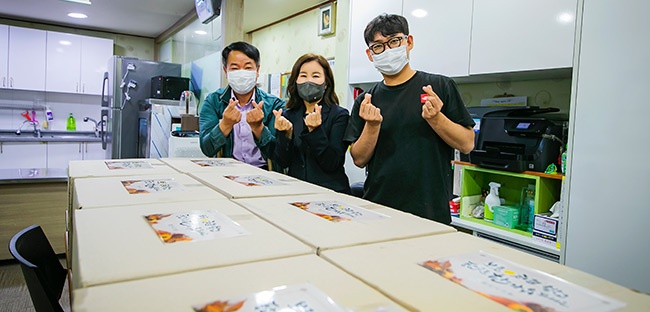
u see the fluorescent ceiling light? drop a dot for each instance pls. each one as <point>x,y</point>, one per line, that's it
<point>419,13</point>
<point>79,1</point>
<point>201,32</point>
<point>77,15</point>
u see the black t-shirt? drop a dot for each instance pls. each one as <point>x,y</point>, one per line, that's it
<point>410,169</point>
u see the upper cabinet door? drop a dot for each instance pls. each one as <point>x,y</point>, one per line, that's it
<point>515,35</point>
<point>4,55</point>
<point>360,69</point>
<point>441,32</point>
<point>63,66</point>
<point>27,49</point>
<point>95,53</point>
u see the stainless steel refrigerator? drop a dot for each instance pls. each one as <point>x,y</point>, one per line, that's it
<point>125,118</point>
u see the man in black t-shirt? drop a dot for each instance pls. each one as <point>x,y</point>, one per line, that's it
<point>406,127</point>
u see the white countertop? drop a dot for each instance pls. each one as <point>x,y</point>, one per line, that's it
<point>33,175</point>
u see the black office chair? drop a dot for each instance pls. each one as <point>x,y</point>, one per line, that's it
<point>44,274</point>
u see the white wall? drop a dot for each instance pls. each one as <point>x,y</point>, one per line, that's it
<point>608,172</point>
<point>282,44</point>
<point>61,105</point>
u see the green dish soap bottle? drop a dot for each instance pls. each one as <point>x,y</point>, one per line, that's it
<point>71,125</point>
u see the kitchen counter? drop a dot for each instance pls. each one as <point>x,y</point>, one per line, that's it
<point>49,136</point>
<point>33,175</point>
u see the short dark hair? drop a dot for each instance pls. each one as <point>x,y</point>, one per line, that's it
<point>386,25</point>
<point>243,47</point>
<point>329,98</point>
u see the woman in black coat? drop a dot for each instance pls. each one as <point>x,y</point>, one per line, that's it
<point>310,142</point>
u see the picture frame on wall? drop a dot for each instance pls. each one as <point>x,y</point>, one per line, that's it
<point>326,19</point>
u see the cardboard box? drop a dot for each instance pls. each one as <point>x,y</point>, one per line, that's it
<point>545,228</point>
<point>506,216</point>
<point>189,123</point>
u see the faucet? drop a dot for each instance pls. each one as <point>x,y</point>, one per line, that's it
<point>37,131</point>
<point>86,119</point>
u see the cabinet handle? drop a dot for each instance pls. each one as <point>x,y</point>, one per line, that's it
<point>83,88</point>
<point>77,88</point>
<point>11,82</point>
<point>4,82</point>
<point>80,148</point>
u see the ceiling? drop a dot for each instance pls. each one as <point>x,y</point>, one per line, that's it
<point>146,18</point>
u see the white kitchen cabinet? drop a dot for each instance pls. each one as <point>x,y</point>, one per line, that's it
<point>95,53</point>
<point>63,65</point>
<point>59,154</point>
<point>441,35</point>
<point>360,69</point>
<point>93,150</point>
<point>76,64</point>
<point>4,56</point>
<point>514,35</point>
<point>23,155</point>
<point>26,59</point>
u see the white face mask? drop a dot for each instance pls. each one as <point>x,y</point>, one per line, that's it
<point>242,81</point>
<point>391,61</point>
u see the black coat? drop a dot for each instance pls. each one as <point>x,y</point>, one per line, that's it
<point>318,156</point>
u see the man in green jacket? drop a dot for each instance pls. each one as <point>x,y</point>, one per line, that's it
<point>237,121</point>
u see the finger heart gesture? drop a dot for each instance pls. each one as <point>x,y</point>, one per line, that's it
<point>432,105</point>
<point>255,116</point>
<point>281,123</point>
<point>313,120</point>
<point>370,113</point>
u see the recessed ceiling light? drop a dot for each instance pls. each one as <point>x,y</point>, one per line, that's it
<point>77,15</point>
<point>79,1</point>
<point>201,32</point>
<point>565,18</point>
<point>419,13</point>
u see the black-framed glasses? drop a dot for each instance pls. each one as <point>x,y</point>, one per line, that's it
<point>392,43</point>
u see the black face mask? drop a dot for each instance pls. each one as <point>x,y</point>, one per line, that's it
<point>310,91</point>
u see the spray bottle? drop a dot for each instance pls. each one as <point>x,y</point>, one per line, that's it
<point>49,118</point>
<point>491,200</point>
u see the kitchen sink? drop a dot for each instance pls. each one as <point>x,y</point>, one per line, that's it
<point>49,136</point>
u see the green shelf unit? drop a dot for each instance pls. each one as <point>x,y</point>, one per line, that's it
<point>475,179</point>
<point>491,224</point>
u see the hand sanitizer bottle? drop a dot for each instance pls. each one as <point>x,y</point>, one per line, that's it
<point>491,200</point>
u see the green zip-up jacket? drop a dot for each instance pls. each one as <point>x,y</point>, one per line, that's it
<point>213,141</point>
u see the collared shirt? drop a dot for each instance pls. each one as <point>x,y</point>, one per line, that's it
<point>244,147</point>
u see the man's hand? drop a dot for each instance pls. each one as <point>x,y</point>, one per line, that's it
<point>314,120</point>
<point>281,123</point>
<point>255,116</point>
<point>432,104</point>
<point>231,115</point>
<point>370,113</point>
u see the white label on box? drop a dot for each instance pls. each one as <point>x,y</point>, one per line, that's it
<point>545,224</point>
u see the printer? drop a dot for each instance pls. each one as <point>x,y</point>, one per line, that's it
<point>520,139</point>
